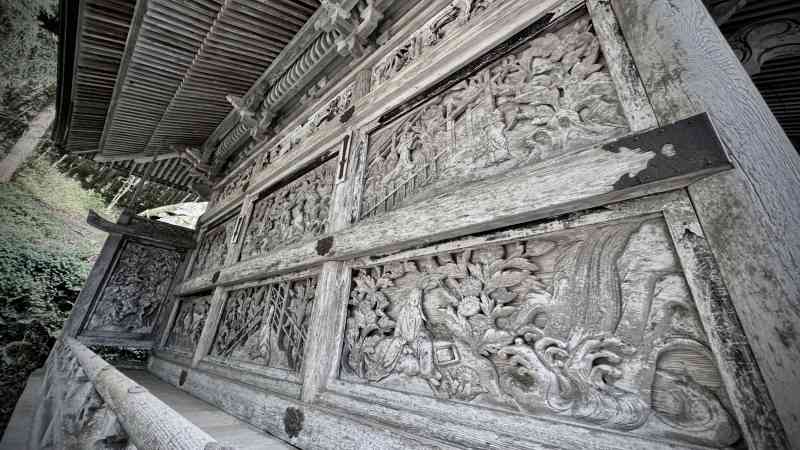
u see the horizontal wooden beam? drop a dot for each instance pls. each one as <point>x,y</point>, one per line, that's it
<point>159,232</point>
<point>653,161</point>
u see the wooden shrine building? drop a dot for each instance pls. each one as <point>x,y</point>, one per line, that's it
<point>494,224</point>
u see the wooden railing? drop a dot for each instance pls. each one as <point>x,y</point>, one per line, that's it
<point>87,403</point>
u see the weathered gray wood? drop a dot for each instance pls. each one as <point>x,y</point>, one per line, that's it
<point>149,422</point>
<point>571,182</point>
<point>93,285</point>
<point>751,217</point>
<point>301,424</point>
<point>210,326</point>
<point>159,232</point>
<point>323,347</point>
<point>620,64</point>
<point>220,425</point>
<point>738,367</point>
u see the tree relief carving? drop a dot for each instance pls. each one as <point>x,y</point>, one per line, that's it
<point>267,324</point>
<point>213,248</point>
<point>295,212</point>
<point>592,325</point>
<point>136,289</point>
<point>188,325</point>
<point>551,96</point>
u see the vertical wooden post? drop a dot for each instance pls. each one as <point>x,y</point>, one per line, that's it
<point>323,345</point>
<point>751,216</point>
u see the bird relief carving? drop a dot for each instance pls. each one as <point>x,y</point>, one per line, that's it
<point>266,325</point>
<point>551,96</point>
<point>293,213</point>
<point>592,325</point>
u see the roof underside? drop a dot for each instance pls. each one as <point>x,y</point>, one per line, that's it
<point>153,74</point>
<point>187,57</point>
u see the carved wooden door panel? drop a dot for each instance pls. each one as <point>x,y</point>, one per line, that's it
<point>504,257</point>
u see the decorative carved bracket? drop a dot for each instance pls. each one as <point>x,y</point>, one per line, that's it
<point>146,229</point>
<point>352,23</point>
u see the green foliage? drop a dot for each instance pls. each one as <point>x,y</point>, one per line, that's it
<point>46,252</point>
<point>28,52</point>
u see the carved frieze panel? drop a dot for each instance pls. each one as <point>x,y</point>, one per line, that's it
<point>266,324</point>
<point>327,113</point>
<point>454,17</point>
<point>135,290</point>
<point>293,213</point>
<point>593,325</point>
<point>189,322</point>
<point>551,95</point>
<point>213,248</point>
<point>236,186</point>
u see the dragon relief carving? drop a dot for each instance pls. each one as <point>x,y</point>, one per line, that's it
<point>293,213</point>
<point>267,324</point>
<point>136,289</point>
<point>213,248</point>
<point>593,324</point>
<point>551,96</point>
<point>188,325</point>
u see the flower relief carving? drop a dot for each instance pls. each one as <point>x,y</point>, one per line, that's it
<point>293,213</point>
<point>266,325</point>
<point>592,325</point>
<point>136,289</point>
<point>452,18</point>
<point>213,248</point>
<point>189,322</point>
<point>551,96</point>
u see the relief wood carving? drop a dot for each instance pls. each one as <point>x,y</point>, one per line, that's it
<point>213,248</point>
<point>189,322</point>
<point>594,325</point>
<point>551,96</point>
<point>293,213</point>
<point>442,25</point>
<point>136,289</point>
<point>267,324</point>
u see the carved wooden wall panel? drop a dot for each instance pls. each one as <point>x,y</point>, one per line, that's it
<point>295,212</point>
<point>213,248</point>
<point>594,325</point>
<point>443,25</point>
<point>135,291</point>
<point>549,96</point>
<point>188,325</point>
<point>266,324</point>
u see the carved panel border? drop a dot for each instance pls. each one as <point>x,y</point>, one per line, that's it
<point>724,342</point>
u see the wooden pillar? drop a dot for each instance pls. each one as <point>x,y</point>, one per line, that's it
<point>323,346</point>
<point>751,215</point>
